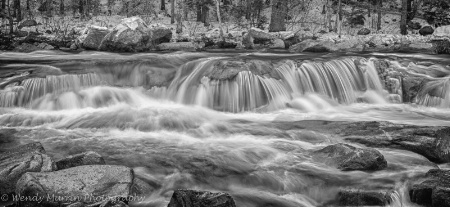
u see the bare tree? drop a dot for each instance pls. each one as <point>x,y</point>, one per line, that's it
<point>220,20</point>
<point>61,7</point>
<point>172,9</point>
<point>163,5</point>
<point>379,6</point>
<point>279,12</point>
<point>18,10</point>
<point>404,17</point>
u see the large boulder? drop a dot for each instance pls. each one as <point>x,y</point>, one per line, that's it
<point>94,37</point>
<point>133,35</point>
<point>364,31</point>
<point>433,190</point>
<point>27,23</point>
<point>86,158</point>
<point>89,184</point>
<point>193,198</point>
<point>427,30</point>
<point>357,197</point>
<point>17,161</point>
<point>259,36</point>
<point>442,31</point>
<point>346,157</point>
<point>277,44</point>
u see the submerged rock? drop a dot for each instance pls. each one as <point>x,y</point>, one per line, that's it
<point>346,157</point>
<point>86,158</point>
<point>356,197</point>
<point>17,161</point>
<point>87,184</point>
<point>433,190</point>
<point>193,198</point>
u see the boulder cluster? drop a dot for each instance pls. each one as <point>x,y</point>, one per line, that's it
<point>31,178</point>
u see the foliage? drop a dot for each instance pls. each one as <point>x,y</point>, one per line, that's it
<point>355,18</point>
<point>437,12</point>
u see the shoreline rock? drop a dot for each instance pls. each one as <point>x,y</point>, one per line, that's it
<point>17,161</point>
<point>194,198</point>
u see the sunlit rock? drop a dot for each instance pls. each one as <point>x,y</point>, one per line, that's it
<point>87,184</point>
<point>17,161</point>
<point>93,37</point>
<point>442,31</point>
<point>133,34</point>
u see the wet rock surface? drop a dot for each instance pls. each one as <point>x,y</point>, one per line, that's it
<point>83,184</point>
<point>346,157</point>
<point>433,190</point>
<point>193,198</point>
<point>86,158</point>
<point>228,69</point>
<point>15,162</point>
<point>356,197</point>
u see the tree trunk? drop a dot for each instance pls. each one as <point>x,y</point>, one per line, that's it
<point>340,17</point>
<point>403,30</point>
<point>81,8</point>
<point>163,5</point>
<point>199,13</point>
<point>205,15</point>
<point>379,6</point>
<point>220,20</point>
<point>172,19</point>
<point>49,8</point>
<point>11,24</point>
<point>19,10</point>
<point>277,21</point>
<point>61,7</point>
<point>248,10</point>
<point>28,8</point>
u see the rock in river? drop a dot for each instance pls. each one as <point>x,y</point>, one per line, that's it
<point>86,158</point>
<point>17,161</point>
<point>89,184</point>
<point>346,157</point>
<point>434,190</point>
<point>193,198</point>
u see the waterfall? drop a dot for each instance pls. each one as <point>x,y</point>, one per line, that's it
<point>435,93</point>
<point>34,88</point>
<point>342,80</point>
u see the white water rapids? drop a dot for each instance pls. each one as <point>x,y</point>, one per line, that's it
<point>182,124</point>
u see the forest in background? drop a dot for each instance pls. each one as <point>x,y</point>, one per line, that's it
<point>64,18</point>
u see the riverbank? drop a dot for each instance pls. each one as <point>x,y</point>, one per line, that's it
<point>134,35</point>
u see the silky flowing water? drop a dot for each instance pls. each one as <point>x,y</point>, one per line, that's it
<point>180,124</point>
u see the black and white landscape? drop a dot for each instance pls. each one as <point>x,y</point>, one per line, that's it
<point>225,103</point>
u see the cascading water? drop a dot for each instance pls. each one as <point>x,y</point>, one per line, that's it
<point>341,80</point>
<point>168,118</point>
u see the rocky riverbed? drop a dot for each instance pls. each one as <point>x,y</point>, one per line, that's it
<point>134,35</point>
<point>86,180</point>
